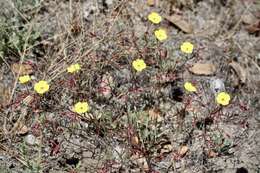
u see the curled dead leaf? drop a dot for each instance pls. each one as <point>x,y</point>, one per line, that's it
<point>155,114</point>
<point>142,162</point>
<point>183,150</point>
<point>212,154</point>
<point>23,130</point>
<point>28,100</point>
<point>240,71</point>
<point>150,2</point>
<point>178,21</point>
<point>166,149</point>
<point>134,140</point>
<point>203,69</point>
<point>254,28</point>
<point>24,69</point>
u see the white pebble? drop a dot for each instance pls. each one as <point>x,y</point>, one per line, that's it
<point>217,85</point>
<point>30,139</point>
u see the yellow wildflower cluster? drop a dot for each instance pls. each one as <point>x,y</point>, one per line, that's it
<point>43,86</point>
<point>139,65</point>
<point>160,33</point>
<point>222,98</point>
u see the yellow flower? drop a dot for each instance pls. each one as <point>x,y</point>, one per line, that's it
<point>154,17</point>
<point>81,107</point>
<point>139,65</point>
<point>41,87</point>
<point>160,34</point>
<point>24,79</point>
<point>223,98</point>
<point>190,87</point>
<point>73,68</point>
<point>187,47</point>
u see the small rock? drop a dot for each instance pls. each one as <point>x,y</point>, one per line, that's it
<point>50,116</point>
<point>165,106</point>
<point>2,157</point>
<point>217,85</point>
<point>87,154</point>
<point>178,165</point>
<point>248,18</point>
<point>109,2</point>
<point>30,139</point>
<point>117,152</point>
<point>257,117</point>
<point>123,75</point>
<point>88,8</point>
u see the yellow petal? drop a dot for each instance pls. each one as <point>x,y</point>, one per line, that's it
<point>190,87</point>
<point>41,87</point>
<point>223,98</point>
<point>154,17</point>
<point>70,69</point>
<point>24,79</point>
<point>77,67</point>
<point>73,68</point>
<point>139,65</point>
<point>160,34</point>
<point>187,47</point>
<point>81,107</point>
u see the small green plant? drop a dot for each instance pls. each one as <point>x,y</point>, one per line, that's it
<point>16,32</point>
<point>32,164</point>
<point>145,128</point>
<point>222,145</point>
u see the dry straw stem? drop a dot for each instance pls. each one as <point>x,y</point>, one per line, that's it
<point>62,69</point>
<point>22,54</point>
<point>233,30</point>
